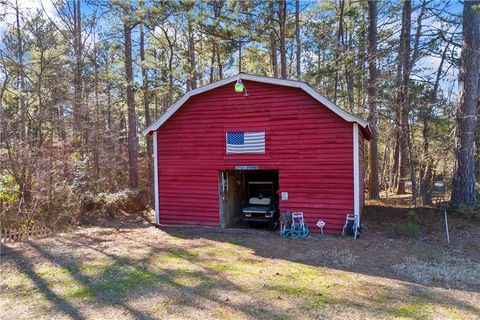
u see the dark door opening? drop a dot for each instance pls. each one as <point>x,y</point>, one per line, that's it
<point>248,198</point>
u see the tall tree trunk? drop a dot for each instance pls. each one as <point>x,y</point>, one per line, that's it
<point>192,75</point>
<point>78,72</point>
<point>282,17</point>
<point>212,62</point>
<point>273,41</point>
<point>337,50</point>
<point>413,178</point>
<point>132,117</point>
<point>96,138</point>
<point>146,108</point>
<point>239,57</point>
<point>463,191</point>
<point>426,168</point>
<point>297,39</point>
<point>20,75</point>
<point>404,95</point>
<point>394,168</point>
<point>373,183</point>
<point>109,96</point>
<point>220,65</point>
<point>477,148</point>
<point>385,163</point>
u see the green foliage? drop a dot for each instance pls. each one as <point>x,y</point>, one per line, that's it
<point>410,229</point>
<point>8,189</point>
<point>413,217</point>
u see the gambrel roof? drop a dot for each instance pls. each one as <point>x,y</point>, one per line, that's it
<point>262,79</point>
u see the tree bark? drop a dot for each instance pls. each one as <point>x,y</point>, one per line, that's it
<point>394,168</point>
<point>192,79</point>
<point>78,72</point>
<point>404,95</point>
<point>282,17</point>
<point>426,168</point>
<point>20,75</point>
<point>373,183</point>
<point>212,62</point>
<point>239,57</point>
<point>463,191</point>
<point>96,138</point>
<point>132,117</point>
<point>297,39</point>
<point>413,178</point>
<point>477,148</point>
<point>146,108</point>
<point>337,50</point>
<point>273,42</point>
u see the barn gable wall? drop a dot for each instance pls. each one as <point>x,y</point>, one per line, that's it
<point>310,146</point>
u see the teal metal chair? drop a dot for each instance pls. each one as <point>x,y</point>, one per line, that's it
<point>293,226</point>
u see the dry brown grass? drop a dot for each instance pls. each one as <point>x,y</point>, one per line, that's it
<point>139,272</point>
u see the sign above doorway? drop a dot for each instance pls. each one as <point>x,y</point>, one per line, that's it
<point>246,167</point>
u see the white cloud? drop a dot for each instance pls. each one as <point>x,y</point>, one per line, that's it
<point>428,66</point>
<point>26,7</point>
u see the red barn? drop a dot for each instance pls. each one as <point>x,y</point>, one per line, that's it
<point>310,147</point>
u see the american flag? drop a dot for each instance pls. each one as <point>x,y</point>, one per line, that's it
<point>245,142</point>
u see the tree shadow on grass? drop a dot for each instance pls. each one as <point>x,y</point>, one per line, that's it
<point>27,267</point>
<point>121,278</point>
<point>270,245</point>
<point>124,278</point>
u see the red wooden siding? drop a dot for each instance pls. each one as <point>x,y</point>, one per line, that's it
<point>310,145</point>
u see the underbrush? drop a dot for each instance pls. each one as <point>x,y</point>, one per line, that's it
<point>469,212</point>
<point>106,205</point>
<point>409,229</point>
<point>64,211</point>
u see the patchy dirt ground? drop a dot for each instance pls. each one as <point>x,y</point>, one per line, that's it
<point>129,269</point>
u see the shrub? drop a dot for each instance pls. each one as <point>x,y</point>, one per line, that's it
<point>410,229</point>
<point>109,203</point>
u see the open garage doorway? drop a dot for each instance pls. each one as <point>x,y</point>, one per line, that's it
<point>248,198</point>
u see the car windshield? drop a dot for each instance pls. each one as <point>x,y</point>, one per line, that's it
<point>260,193</point>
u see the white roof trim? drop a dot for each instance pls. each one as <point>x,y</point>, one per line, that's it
<point>281,82</point>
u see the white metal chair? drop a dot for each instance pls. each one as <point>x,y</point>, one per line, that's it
<point>351,219</point>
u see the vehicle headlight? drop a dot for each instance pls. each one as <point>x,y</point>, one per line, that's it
<point>248,214</point>
<point>269,214</point>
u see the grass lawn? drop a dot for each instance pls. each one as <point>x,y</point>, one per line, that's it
<point>136,271</point>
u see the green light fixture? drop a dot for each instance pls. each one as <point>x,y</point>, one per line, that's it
<point>239,86</point>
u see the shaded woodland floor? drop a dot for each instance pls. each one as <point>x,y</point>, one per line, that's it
<point>128,269</point>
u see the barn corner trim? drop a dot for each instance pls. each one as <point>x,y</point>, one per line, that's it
<point>155,174</point>
<point>262,79</point>
<point>356,172</point>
